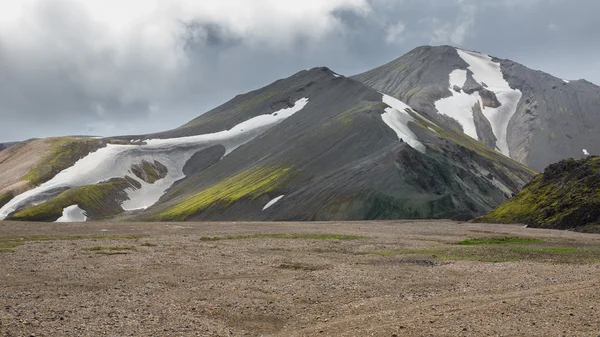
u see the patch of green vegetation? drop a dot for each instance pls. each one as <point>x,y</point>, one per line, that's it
<point>100,248</point>
<point>300,266</point>
<point>504,253</point>
<point>6,250</point>
<point>251,183</point>
<point>5,198</point>
<point>64,152</point>
<point>547,249</point>
<point>285,236</point>
<point>148,244</point>
<point>8,243</point>
<point>565,196</point>
<point>99,200</point>
<point>412,92</point>
<point>502,240</point>
<point>111,253</point>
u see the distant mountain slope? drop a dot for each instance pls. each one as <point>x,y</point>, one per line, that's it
<point>313,146</point>
<point>534,117</point>
<point>565,196</point>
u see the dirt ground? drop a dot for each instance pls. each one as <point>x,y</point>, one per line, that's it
<point>17,161</point>
<point>393,278</point>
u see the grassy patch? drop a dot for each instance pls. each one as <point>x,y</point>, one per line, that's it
<point>300,266</point>
<point>546,249</point>
<point>504,253</point>
<point>285,236</point>
<point>108,248</point>
<point>502,240</point>
<point>111,252</point>
<point>250,183</point>
<point>8,243</point>
<point>6,250</point>
<point>148,244</point>
<point>5,198</point>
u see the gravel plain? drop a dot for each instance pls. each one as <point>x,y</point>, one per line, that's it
<point>383,278</point>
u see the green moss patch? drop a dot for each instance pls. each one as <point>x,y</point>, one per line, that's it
<point>5,198</point>
<point>248,184</point>
<point>99,201</point>
<point>285,236</point>
<point>101,248</point>
<point>566,195</point>
<point>64,152</point>
<point>8,243</point>
<point>504,253</point>
<point>503,240</point>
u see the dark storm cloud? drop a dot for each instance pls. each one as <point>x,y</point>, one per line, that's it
<point>65,69</point>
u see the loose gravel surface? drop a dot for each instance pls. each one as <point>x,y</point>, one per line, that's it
<point>392,278</point>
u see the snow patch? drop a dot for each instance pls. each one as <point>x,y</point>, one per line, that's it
<point>566,81</point>
<point>458,77</point>
<point>115,161</point>
<point>397,119</point>
<point>585,152</point>
<point>73,214</point>
<point>272,202</point>
<point>460,105</point>
<point>489,72</point>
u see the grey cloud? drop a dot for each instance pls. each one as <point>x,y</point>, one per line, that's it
<point>62,73</point>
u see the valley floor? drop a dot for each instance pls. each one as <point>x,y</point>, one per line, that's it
<point>385,278</point>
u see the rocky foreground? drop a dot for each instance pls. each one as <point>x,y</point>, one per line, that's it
<point>396,278</point>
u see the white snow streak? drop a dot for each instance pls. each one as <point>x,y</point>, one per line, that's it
<point>397,119</point>
<point>460,105</point>
<point>73,214</point>
<point>272,202</point>
<point>487,72</point>
<point>585,152</point>
<point>115,161</point>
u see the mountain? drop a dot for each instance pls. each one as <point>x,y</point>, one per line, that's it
<point>313,146</point>
<point>533,117</point>
<point>565,196</point>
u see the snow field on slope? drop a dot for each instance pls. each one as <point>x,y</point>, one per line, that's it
<point>489,72</point>
<point>460,105</point>
<point>272,202</point>
<point>115,161</point>
<point>397,119</point>
<point>72,214</point>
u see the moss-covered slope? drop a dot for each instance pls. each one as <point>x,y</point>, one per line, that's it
<point>98,201</point>
<point>565,196</point>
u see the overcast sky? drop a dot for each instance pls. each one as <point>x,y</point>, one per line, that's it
<point>115,67</point>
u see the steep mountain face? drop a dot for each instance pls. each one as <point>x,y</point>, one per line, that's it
<point>314,146</point>
<point>533,117</point>
<point>565,196</point>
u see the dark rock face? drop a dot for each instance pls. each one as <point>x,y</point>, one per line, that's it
<point>554,120</point>
<point>484,128</point>
<point>565,196</point>
<point>471,85</point>
<point>149,172</point>
<point>489,99</point>
<point>203,159</point>
<point>2,147</point>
